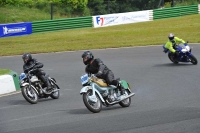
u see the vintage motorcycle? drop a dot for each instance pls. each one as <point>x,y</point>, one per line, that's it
<point>96,93</point>
<point>185,54</point>
<point>33,88</point>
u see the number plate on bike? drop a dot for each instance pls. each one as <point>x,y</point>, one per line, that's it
<point>84,79</point>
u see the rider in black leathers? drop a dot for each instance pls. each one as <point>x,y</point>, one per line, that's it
<point>31,63</point>
<point>97,67</point>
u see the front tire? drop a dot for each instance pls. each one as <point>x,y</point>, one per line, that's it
<point>126,102</point>
<point>29,94</point>
<point>93,107</point>
<point>193,60</point>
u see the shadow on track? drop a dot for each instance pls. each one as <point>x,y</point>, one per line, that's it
<point>115,107</point>
<point>18,102</point>
<point>174,65</point>
<point>80,111</point>
<point>86,111</point>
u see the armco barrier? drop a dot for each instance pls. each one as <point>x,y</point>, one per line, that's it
<point>61,24</point>
<point>150,14</point>
<point>9,83</point>
<point>175,12</point>
<point>15,77</point>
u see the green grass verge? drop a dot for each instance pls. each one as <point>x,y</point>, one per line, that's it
<point>12,14</point>
<point>136,34</point>
<point>4,71</point>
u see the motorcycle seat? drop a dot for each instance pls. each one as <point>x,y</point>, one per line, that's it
<point>100,82</point>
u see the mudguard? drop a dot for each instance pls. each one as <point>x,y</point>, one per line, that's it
<point>53,81</point>
<point>24,84</point>
<point>125,85</point>
<point>86,88</point>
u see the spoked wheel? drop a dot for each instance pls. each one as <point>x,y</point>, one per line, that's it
<point>193,59</point>
<point>171,57</point>
<point>94,107</point>
<point>126,102</point>
<point>55,95</point>
<point>29,94</point>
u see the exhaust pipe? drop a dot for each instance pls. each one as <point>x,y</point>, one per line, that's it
<point>132,94</point>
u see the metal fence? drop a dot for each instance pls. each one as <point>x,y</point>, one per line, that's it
<point>175,12</point>
<point>61,24</point>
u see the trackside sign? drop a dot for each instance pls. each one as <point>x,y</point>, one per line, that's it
<point>15,29</point>
<point>120,18</point>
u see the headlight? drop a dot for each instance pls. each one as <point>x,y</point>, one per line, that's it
<point>187,47</point>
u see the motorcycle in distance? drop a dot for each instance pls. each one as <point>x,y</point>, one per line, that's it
<point>96,93</point>
<point>185,54</point>
<point>32,88</point>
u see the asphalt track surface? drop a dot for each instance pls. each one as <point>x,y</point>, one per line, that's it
<point>167,95</point>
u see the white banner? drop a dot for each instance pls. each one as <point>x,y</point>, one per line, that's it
<point>120,18</point>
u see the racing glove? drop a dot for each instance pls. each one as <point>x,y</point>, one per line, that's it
<point>177,52</point>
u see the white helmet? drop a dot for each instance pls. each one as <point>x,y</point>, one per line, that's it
<point>171,36</point>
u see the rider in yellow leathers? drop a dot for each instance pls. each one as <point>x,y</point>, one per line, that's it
<point>172,43</point>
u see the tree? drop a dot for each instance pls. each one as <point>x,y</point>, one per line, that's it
<point>97,7</point>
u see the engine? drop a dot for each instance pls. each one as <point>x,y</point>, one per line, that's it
<point>112,98</point>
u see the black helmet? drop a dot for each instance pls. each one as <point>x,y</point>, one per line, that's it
<point>171,37</point>
<point>26,57</point>
<point>87,57</point>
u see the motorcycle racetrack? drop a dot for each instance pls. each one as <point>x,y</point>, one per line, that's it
<point>167,96</point>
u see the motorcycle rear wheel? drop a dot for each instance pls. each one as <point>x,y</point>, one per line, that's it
<point>26,94</point>
<point>126,102</point>
<point>93,107</point>
<point>171,57</point>
<point>55,95</point>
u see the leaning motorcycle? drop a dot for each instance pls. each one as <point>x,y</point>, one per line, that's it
<point>96,93</point>
<point>33,88</point>
<point>185,54</point>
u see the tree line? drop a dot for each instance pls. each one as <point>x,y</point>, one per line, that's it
<point>93,7</point>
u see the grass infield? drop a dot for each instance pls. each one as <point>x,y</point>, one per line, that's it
<point>4,71</point>
<point>128,35</point>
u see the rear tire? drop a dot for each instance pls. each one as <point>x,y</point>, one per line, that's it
<point>126,102</point>
<point>55,95</point>
<point>26,91</point>
<point>93,107</point>
<point>193,60</point>
<point>171,57</point>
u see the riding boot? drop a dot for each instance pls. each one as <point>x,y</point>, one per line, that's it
<point>46,82</point>
<point>121,88</point>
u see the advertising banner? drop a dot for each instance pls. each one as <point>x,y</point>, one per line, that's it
<point>120,18</point>
<point>15,29</point>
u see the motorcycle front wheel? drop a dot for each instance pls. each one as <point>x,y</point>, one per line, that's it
<point>29,94</point>
<point>93,107</point>
<point>193,59</point>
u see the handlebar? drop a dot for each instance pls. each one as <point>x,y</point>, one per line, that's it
<point>31,70</point>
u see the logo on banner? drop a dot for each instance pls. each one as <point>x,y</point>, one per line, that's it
<point>100,20</point>
<point>13,30</point>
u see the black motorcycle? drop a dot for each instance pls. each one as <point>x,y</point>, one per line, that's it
<point>33,88</point>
